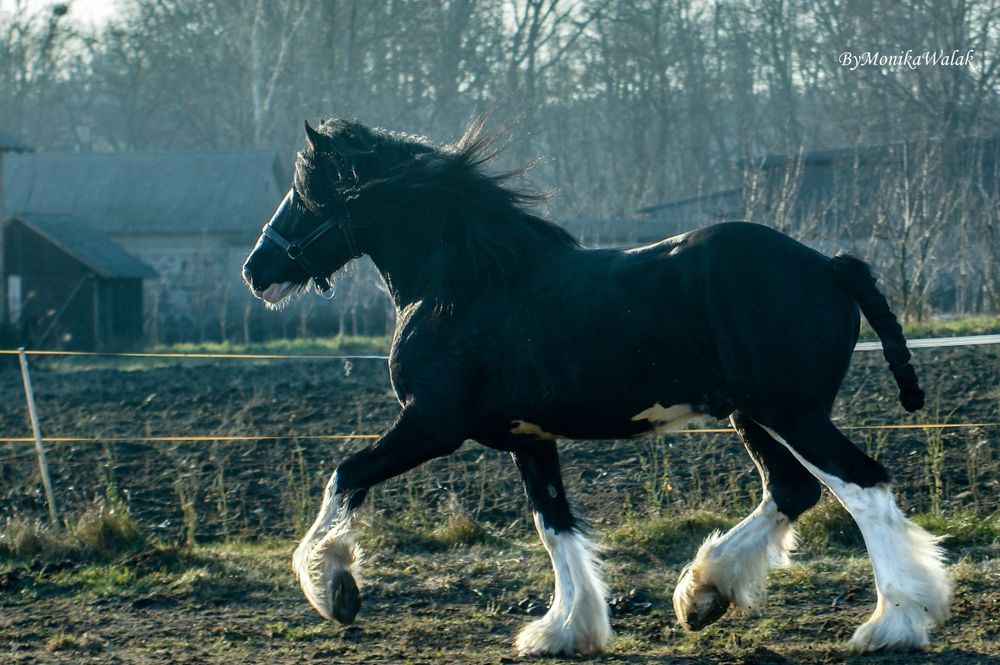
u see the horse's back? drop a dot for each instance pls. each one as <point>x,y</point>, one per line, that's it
<point>737,273</point>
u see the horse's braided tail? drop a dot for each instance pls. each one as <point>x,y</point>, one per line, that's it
<point>857,278</point>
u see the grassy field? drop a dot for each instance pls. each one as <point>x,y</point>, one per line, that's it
<point>454,595</point>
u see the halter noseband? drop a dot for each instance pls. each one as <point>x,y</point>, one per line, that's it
<point>296,250</point>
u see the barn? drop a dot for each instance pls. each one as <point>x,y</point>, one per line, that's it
<point>832,183</point>
<point>897,204</point>
<point>69,286</point>
<point>190,216</point>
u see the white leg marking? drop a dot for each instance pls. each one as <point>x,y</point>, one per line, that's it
<point>735,564</point>
<point>577,622</point>
<point>914,588</point>
<point>327,548</point>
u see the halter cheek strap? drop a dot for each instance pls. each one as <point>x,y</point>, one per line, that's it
<point>296,250</point>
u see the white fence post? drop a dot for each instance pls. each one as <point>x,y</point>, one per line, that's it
<point>43,465</point>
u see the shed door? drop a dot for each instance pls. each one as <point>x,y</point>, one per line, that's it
<point>14,298</point>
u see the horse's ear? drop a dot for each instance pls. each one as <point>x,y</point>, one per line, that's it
<point>312,137</point>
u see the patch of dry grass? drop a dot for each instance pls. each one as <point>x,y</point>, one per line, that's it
<point>102,532</point>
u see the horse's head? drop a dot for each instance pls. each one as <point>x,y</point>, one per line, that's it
<point>434,222</point>
<point>312,234</point>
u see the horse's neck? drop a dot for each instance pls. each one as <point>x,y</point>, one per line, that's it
<point>409,262</point>
<point>403,266</point>
<point>402,290</point>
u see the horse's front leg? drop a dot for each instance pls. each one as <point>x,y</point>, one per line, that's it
<point>577,622</point>
<point>325,560</point>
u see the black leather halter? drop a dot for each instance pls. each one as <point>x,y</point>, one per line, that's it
<point>295,250</point>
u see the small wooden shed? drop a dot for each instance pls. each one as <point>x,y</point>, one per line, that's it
<point>69,286</point>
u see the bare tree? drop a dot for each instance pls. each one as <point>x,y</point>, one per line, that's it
<point>35,49</point>
<point>629,102</point>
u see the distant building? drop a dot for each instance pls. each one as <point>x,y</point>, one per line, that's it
<point>71,287</point>
<point>855,199</point>
<point>622,232</point>
<point>9,144</point>
<point>190,217</point>
<point>696,211</point>
<point>833,184</point>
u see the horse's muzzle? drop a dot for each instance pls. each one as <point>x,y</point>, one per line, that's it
<point>275,293</point>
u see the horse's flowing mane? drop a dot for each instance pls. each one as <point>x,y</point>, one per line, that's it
<point>482,223</point>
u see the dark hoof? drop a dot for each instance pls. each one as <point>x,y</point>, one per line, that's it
<point>346,597</point>
<point>709,609</point>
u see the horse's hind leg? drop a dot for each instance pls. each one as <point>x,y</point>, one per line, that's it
<point>577,622</point>
<point>731,567</point>
<point>914,590</point>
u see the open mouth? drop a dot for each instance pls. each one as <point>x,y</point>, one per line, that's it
<point>274,293</point>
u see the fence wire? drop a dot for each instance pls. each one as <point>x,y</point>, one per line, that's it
<point>215,478</point>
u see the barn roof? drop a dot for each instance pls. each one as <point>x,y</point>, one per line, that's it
<point>10,143</point>
<point>724,203</point>
<point>87,246</point>
<point>622,231</point>
<point>870,151</point>
<point>161,193</point>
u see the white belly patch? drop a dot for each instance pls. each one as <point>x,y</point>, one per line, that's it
<point>524,428</point>
<point>667,418</point>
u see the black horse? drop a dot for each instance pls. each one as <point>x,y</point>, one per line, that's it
<point>511,334</point>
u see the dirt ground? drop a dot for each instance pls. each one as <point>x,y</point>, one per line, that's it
<point>266,488</point>
<point>232,598</point>
<point>228,604</point>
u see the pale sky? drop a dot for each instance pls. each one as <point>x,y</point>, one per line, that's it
<point>87,12</point>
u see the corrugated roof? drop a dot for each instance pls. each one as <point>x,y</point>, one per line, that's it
<point>173,193</point>
<point>87,246</point>
<point>620,232</point>
<point>869,151</point>
<point>712,201</point>
<point>10,143</point>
